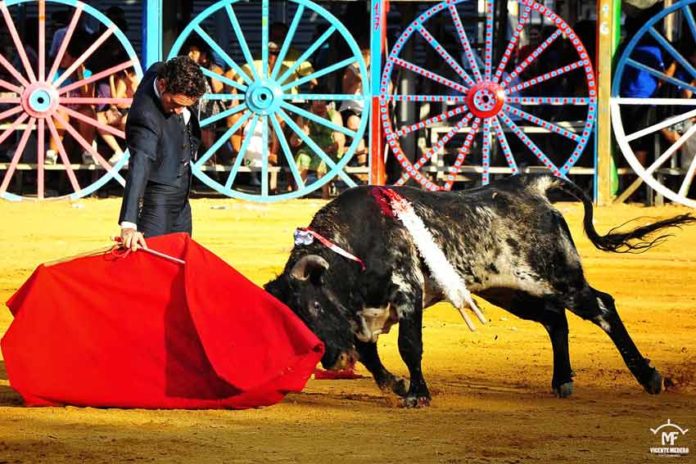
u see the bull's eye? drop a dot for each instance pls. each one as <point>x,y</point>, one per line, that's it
<point>316,307</point>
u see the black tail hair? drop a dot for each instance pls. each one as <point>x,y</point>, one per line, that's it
<point>633,241</point>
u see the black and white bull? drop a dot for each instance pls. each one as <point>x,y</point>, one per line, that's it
<point>506,241</point>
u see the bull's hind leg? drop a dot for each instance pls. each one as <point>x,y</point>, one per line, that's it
<point>385,379</point>
<point>599,308</point>
<point>552,316</point>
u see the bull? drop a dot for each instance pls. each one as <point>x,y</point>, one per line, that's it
<point>362,270</point>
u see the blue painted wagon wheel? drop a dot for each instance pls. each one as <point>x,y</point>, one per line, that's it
<point>490,99</point>
<point>40,100</point>
<point>268,97</point>
<point>671,172</point>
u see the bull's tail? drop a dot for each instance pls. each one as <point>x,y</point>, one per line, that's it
<point>637,240</point>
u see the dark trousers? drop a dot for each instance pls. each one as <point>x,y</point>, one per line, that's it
<point>166,209</point>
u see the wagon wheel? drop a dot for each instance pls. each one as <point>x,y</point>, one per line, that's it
<point>269,96</point>
<point>670,173</point>
<point>490,99</point>
<point>36,100</point>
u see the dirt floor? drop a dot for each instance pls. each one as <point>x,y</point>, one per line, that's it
<point>491,389</point>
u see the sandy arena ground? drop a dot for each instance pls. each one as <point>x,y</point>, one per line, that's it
<point>491,389</point>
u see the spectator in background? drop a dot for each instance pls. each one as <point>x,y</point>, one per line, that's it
<point>278,33</point>
<point>351,110</point>
<point>206,107</point>
<point>75,49</point>
<point>122,84</point>
<point>273,50</point>
<point>330,141</point>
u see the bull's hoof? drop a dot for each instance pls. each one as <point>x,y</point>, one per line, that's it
<point>415,402</point>
<point>655,384</point>
<point>564,390</point>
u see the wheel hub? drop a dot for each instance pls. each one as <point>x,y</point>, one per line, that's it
<point>485,99</point>
<point>264,97</point>
<point>40,100</point>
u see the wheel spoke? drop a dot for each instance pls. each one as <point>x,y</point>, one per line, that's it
<point>95,77</point>
<point>532,56</point>
<point>11,87</point>
<point>223,139</point>
<point>690,21</point>
<point>660,75</point>
<point>93,122</point>
<point>242,153</point>
<point>86,54</point>
<point>242,41</point>
<point>41,52</point>
<point>461,32</point>
<point>542,123</point>
<point>463,152</point>
<point>12,70</point>
<point>430,121</point>
<point>545,77</point>
<point>223,114</point>
<point>655,101</point>
<point>673,51</point>
<point>429,74</point>
<point>13,126</point>
<point>318,119</point>
<point>486,152</point>
<point>671,150</point>
<point>17,155</point>
<point>312,144</point>
<point>660,125</point>
<point>287,152</point>
<point>19,46</point>
<point>502,139</point>
<point>551,100</point>
<point>303,58</point>
<point>224,79</point>
<point>222,54</point>
<point>451,99</point>
<point>95,101</point>
<point>264,38</point>
<point>63,155</point>
<point>88,147</point>
<point>288,40</point>
<point>10,112</point>
<point>432,41</point>
<point>686,184</point>
<point>264,153</point>
<point>64,44</point>
<point>488,40</point>
<point>530,144</point>
<point>40,159</point>
<point>323,97</point>
<point>318,74</point>
<point>438,146</point>
<point>507,54</point>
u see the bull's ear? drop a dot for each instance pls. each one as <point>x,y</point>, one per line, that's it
<point>310,266</point>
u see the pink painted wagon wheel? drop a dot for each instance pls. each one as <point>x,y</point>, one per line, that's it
<point>38,98</point>
<point>490,100</point>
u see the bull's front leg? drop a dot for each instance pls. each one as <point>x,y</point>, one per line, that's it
<point>385,379</point>
<point>411,349</point>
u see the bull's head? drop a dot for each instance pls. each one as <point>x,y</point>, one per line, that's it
<point>306,291</point>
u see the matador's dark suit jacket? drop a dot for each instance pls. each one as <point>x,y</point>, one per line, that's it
<point>160,147</point>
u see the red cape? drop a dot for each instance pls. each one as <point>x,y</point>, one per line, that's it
<point>144,332</point>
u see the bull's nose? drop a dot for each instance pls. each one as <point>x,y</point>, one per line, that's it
<point>345,360</point>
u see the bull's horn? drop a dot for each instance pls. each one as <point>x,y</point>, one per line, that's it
<point>308,264</point>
